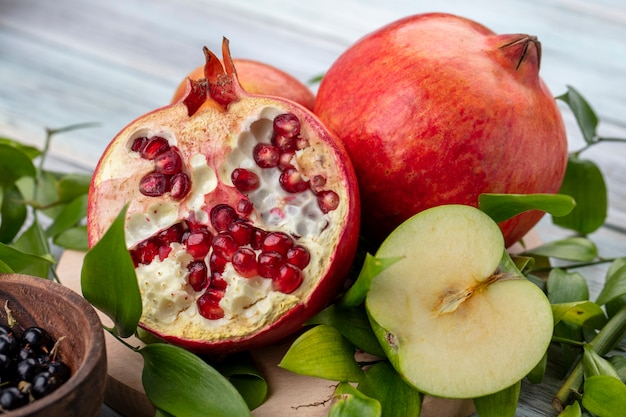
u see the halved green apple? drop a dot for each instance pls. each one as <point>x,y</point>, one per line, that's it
<point>455,316</point>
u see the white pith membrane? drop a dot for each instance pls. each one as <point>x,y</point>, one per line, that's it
<point>249,304</point>
<point>458,328</point>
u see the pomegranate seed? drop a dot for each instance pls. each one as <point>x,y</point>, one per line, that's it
<point>155,147</point>
<point>244,180</point>
<point>284,143</point>
<point>327,201</point>
<point>146,251</point>
<point>278,242</point>
<point>317,182</point>
<point>269,263</point>
<point>265,155</point>
<point>169,162</point>
<point>209,304</point>
<point>244,207</point>
<point>244,262</point>
<point>288,280</point>
<point>180,185</point>
<point>154,184</point>
<point>217,264</point>
<point>198,274</point>
<point>138,144</point>
<point>298,256</point>
<point>292,181</point>
<point>222,216</point>
<point>224,245</point>
<point>217,282</point>
<point>285,160</point>
<point>164,252</point>
<point>301,142</point>
<point>199,243</point>
<point>241,231</point>
<point>257,237</point>
<point>286,124</point>
<point>172,234</point>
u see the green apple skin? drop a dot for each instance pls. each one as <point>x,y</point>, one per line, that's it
<point>455,316</point>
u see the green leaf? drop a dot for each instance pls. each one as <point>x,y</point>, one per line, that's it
<point>72,186</point>
<point>619,363</point>
<point>108,279</point>
<point>372,266</point>
<point>33,241</point>
<point>322,352</point>
<point>585,183</point>
<point>5,269</point>
<point>615,285</point>
<point>572,249</point>
<point>29,151</point>
<point>24,263</point>
<point>565,287</point>
<point>183,385</point>
<point>74,238</point>
<point>12,213</point>
<point>349,402</point>
<point>161,413</point>
<point>499,404</point>
<point>71,214</point>
<point>353,324</point>
<point>396,397</point>
<point>605,396</point>
<point>594,364</point>
<point>572,410</point>
<point>616,303</point>
<point>242,372</point>
<point>535,376</point>
<point>585,116</point>
<point>14,164</point>
<point>501,207</point>
<point>580,313</point>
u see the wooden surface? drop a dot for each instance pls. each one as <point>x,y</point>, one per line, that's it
<point>72,61</point>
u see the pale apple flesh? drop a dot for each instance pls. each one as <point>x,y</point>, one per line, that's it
<point>455,317</point>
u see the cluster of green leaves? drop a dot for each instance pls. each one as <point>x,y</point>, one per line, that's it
<point>38,208</point>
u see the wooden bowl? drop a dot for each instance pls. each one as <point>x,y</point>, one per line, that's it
<point>61,312</point>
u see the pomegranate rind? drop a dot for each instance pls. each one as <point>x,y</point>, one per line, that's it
<point>207,141</point>
<point>434,110</point>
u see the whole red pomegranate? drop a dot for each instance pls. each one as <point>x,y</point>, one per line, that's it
<point>436,109</point>
<point>243,213</point>
<point>261,79</point>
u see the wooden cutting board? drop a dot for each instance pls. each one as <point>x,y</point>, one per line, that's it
<point>289,394</point>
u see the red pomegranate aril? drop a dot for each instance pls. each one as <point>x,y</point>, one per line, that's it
<point>217,282</point>
<point>146,250</point>
<point>180,185</point>
<point>244,262</point>
<point>284,143</point>
<point>209,304</point>
<point>257,237</point>
<point>278,242</point>
<point>285,160</point>
<point>288,280</point>
<point>269,263</point>
<point>298,256</point>
<point>198,274</point>
<point>292,181</point>
<point>266,155</point>
<point>154,184</point>
<point>301,143</point>
<point>164,251</point>
<point>287,125</point>
<point>224,245</point>
<point>169,162</point>
<point>172,234</point>
<point>317,182</point>
<point>222,216</point>
<point>241,231</point>
<point>327,201</point>
<point>155,147</point>
<point>217,263</point>
<point>244,180</point>
<point>199,243</point>
<point>139,143</point>
<point>244,207</point>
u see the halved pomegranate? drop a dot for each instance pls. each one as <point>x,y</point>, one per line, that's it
<point>231,252</point>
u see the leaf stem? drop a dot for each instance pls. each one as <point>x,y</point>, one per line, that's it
<point>113,333</point>
<point>598,261</point>
<point>598,140</point>
<point>602,343</point>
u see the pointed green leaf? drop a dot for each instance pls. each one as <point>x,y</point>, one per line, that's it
<point>349,402</point>
<point>5,269</point>
<point>243,373</point>
<point>14,164</point>
<point>585,183</point>
<point>372,266</point>
<point>161,413</point>
<point>353,324</point>
<point>619,363</point>
<point>565,287</point>
<point>324,353</point>
<point>499,404</point>
<point>12,213</point>
<point>24,263</point>
<point>604,396</point>
<point>181,384</point>
<point>29,151</point>
<point>615,285</point>
<point>69,216</point>
<point>396,397</point>
<point>108,279</point>
<point>572,249</point>
<point>72,186</point>
<point>572,410</point>
<point>594,364</point>
<point>33,241</point>
<point>74,238</point>
<point>585,116</point>
<point>501,207</point>
<point>580,313</point>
